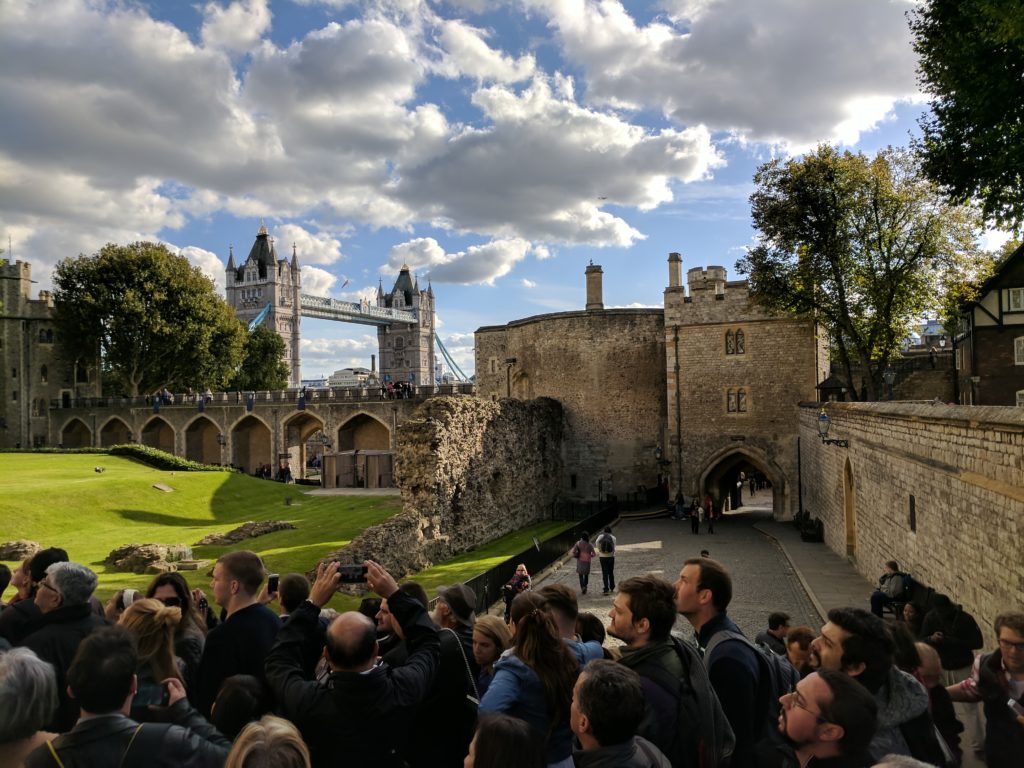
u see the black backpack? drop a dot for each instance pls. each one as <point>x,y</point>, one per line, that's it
<point>776,677</point>
<point>607,545</point>
<point>704,738</point>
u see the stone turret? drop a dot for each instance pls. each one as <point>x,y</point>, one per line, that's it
<point>595,289</point>
<point>407,349</point>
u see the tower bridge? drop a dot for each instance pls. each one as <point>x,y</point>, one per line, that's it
<point>364,313</point>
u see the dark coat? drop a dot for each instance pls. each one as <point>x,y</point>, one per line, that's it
<point>354,718</point>
<point>1004,736</point>
<point>55,638</point>
<point>100,742</point>
<point>16,620</point>
<point>237,646</point>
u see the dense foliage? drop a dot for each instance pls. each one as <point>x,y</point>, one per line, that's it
<point>262,365</point>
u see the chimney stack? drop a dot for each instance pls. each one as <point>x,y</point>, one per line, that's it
<point>595,298</point>
<point>675,270</point>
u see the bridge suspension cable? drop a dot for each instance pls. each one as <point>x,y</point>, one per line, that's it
<point>460,376</point>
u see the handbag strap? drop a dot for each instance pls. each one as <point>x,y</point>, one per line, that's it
<point>49,746</point>
<point>469,672</point>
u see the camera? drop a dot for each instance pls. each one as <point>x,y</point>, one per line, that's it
<point>352,574</point>
<point>272,581</point>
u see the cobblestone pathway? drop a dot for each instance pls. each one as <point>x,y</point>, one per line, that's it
<point>763,580</point>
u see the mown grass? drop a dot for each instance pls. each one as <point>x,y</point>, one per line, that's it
<point>60,500</point>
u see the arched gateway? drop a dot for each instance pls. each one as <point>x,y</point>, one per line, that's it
<point>726,476</point>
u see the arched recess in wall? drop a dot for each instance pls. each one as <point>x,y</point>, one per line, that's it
<point>115,432</point>
<point>201,441</point>
<point>298,428</point>
<point>721,473</point>
<point>158,434</point>
<point>76,434</point>
<point>364,432</point>
<point>250,445</point>
<point>850,509</point>
<point>365,458</point>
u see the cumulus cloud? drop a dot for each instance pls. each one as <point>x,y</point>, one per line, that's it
<point>316,281</point>
<point>546,165</point>
<point>323,356</point>
<point>208,262</point>
<point>236,27</point>
<point>311,247</point>
<point>477,264</point>
<point>781,71</point>
<point>527,283</point>
<point>467,53</point>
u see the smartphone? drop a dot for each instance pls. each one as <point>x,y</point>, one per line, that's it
<point>352,574</point>
<point>1016,706</point>
<point>272,581</point>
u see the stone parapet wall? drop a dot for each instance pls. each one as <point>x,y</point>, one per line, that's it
<point>963,467</point>
<point>470,471</point>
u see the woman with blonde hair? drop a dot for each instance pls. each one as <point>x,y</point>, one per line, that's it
<point>491,638</point>
<point>271,742</point>
<point>534,680</point>
<point>153,624</point>
<point>172,590</point>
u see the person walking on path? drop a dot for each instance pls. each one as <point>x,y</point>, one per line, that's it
<point>606,556</point>
<point>709,510</point>
<point>584,552</point>
<point>695,513</point>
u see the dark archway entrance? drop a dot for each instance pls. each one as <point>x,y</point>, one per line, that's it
<point>250,445</point>
<point>158,434</point>
<point>76,435</point>
<point>728,477</point>
<point>115,432</point>
<point>201,442</point>
<point>365,459</point>
<point>295,452</point>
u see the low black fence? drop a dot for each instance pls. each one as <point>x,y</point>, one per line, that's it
<point>487,586</point>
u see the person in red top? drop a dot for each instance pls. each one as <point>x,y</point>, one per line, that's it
<point>584,552</point>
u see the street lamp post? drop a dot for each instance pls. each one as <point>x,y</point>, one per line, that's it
<point>889,376</point>
<point>824,424</point>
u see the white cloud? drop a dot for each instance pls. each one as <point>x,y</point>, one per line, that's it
<point>467,53</point>
<point>477,264</point>
<point>316,281</point>
<point>208,262</point>
<point>781,71</point>
<point>527,283</point>
<point>311,247</point>
<point>236,27</point>
<point>545,167</point>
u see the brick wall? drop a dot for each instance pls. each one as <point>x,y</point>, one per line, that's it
<point>964,468</point>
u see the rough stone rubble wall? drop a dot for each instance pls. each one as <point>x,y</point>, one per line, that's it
<point>965,470</point>
<point>470,471</point>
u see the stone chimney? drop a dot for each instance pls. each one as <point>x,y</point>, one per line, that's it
<point>595,298</point>
<point>373,363</point>
<point>675,270</point>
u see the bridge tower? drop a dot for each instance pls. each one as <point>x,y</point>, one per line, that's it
<point>264,279</point>
<point>407,349</point>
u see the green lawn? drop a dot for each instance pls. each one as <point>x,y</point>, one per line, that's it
<point>60,500</point>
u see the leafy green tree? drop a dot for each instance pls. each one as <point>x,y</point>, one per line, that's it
<point>862,244</point>
<point>154,319</point>
<point>263,366</point>
<point>971,62</point>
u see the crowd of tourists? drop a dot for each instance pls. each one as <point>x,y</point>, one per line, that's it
<point>259,673</point>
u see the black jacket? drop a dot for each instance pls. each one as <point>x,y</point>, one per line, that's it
<point>16,620</point>
<point>55,638</point>
<point>101,742</point>
<point>354,718</point>
<point>237,646</point>
<point>1004,736</point>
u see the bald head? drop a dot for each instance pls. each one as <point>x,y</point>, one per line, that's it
<point>351,642</point>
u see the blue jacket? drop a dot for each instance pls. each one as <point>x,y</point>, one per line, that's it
<point>517,691</point>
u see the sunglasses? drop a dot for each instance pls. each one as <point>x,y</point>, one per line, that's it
<point>171,602</point>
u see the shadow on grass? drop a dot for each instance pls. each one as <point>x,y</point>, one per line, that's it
<point>155,518</point>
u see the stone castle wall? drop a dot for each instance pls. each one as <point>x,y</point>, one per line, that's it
<point>470,470</point>
<point>607,368</point>
<point>782,360</point>
<point>962,471</point>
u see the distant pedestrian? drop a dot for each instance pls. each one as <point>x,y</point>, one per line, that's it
<point>606,545</point>
<point>584,552</point>
<point>711,514</point>
<point>695,512</point>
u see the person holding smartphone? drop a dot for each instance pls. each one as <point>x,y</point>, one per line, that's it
<point>997,682</point>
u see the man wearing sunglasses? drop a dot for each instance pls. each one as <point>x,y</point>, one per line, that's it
<point>827,720</point>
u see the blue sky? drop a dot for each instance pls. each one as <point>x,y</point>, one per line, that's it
<point>496,146</point>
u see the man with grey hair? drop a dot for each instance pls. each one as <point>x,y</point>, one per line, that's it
<point>67,619</point>
<point>28,697</point>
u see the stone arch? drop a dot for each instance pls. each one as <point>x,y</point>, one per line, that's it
<point>115,432</point>
<point>722,470</point>
<point>364,431</point>
<point>201,441</point>
<point>158,433</point>
<point>250,444</point>
<point>76,434</point>
<point>296,429</point>
<point>850,509</point>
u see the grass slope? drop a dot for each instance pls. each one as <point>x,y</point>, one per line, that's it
<point>60,500</point>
